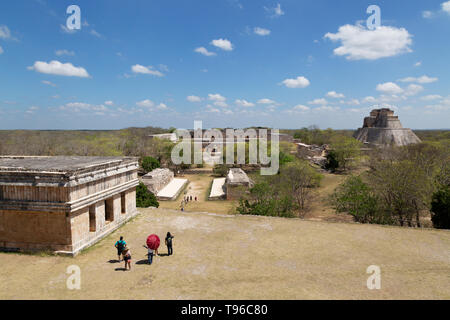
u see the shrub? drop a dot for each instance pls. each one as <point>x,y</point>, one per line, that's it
<point>220,170</point>
<point>149,164</point>
<point>332,163</point>
<point>440,208</point>
<point>145,198</point>
<point>356,198</point>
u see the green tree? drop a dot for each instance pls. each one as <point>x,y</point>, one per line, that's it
<point>299,180</point>
<point>285,158</point>
<point>220,170</point>
<point>332,164</point>
<point>357,199</point>
<point>346,150</point>
<point>440,208</point>
<point>149,164</point>
<point>145,198</point>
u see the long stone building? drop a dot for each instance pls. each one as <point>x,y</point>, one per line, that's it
<point>64,204</point>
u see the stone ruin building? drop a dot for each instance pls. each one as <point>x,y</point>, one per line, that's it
<point>235,180</point>
<point>158,179</point>
<point>163,184</point>
<point>382,128</point>
<point>64,204</point>
<point>314,153</point>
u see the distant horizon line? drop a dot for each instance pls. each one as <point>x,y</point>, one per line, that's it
<point>261,127</point>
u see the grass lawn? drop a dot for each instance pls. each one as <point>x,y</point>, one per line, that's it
<point>200,186</point>
<point>243,257</point>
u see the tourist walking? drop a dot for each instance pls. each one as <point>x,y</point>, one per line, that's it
<point>150,254</point>
<point>127,257</point>
<point>169,238</point>
<point>120,245</point>
<point>190,199</point>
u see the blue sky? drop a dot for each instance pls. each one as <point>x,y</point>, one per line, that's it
<point>230,63</point>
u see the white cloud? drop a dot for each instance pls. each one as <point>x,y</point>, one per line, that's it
<point>321,101</point>
<point>145,103</point>
<point>163,67</point>
<point>95,33</point>
<point>162,106</point>
<point>335,95</point>
<point>223,44</point>
<point>413,89</point>
<point>326,108</point>
<point>359,43</point>
<point>418,64</point>
<point>48,83</point>
<point>64,52</point>
<point>354,102</point>
<point>32,109</point>
<point>146,70</point>
<point>300,107</point>
<point>67,30</point>
<point>369,99</point>
<point>211,109</point>
<point>61,69</point>
<point>261,31</point>
<point>299,82</point>
<point>5,33</point>
<point>205,52</point>
<point>427,14</point>
<point>109,103</point>
<point>422,79</point>
<point>193,99</point>
<point>221,104</point>
<point>266,101</point>
<point>276,12</point>
<point>81,106</point>
<point>216,97</point>
<point>446,6</point>
<point>244,103</point>
<point>431,97</point>
<point>389,88</point>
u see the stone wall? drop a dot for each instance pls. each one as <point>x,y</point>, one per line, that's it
<point>64,211</point>
<point>157,179</point>
<point>34,230</point>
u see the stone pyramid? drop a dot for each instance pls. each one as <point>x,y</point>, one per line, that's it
<point>382,128</point>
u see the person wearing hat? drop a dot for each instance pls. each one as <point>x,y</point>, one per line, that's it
<point>127,257</point>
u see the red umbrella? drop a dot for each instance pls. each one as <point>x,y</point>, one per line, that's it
<point>153,242</point>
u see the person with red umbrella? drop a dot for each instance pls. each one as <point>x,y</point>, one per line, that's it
<point>152,246</point>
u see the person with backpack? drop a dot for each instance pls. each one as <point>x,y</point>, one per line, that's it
<point>120,245</point>
<point>169,238</point>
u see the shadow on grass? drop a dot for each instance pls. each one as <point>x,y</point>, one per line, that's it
<point>120,269</point>
<point>114,261</point>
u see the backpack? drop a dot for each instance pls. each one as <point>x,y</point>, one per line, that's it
<point>120,244</point>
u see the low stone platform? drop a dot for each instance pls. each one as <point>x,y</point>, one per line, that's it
<point>218,189</point>
<point>172,190</point>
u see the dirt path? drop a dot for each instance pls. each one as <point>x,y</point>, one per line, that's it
<point>199,186</point>
<point>243,257</point>
<point>321,209</point>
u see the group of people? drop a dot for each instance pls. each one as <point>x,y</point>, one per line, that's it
<point>186,200</point>
<point>189,198</point>
<point>124,251</point>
